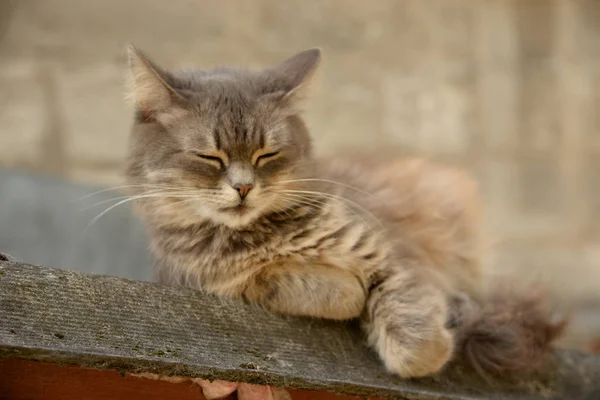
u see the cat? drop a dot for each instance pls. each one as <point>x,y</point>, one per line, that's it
<point>235,204</point>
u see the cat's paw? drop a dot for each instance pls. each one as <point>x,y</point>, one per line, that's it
<point>415,357</point>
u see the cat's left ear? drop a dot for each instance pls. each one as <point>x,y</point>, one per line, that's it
<point>292,78</point>
<point>150,89</point>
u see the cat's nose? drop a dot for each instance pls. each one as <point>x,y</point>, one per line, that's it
<point>243,189</point>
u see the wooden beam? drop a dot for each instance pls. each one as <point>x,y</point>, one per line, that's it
<point>45,381</point>
<point>107,323</point>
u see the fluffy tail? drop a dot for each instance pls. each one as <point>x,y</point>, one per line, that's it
<point>508,331</point>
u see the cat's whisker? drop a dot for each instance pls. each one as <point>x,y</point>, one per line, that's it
<point>284,201</point>
<point>302,196</point>
<point>340,201</point>
<point>115,188</point>
<point>347,207</point>
<point>131,198</point>
<point>152,192</point>
<point>375,196</point>
<point>333,196</point>
<point>169,205</point>
<point>331,182</point>
<point>319,203</point>
<point>304,202</point>
<point>296,202</point>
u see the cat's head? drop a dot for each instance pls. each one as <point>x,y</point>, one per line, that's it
<point>225,142</point>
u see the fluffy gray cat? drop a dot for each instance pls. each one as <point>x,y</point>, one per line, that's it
<point>220,162</point>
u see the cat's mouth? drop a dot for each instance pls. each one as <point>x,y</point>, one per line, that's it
<point>240,209</point>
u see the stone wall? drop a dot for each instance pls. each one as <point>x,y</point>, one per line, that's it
<point>510,89</point>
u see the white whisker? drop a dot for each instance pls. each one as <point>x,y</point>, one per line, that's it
<point>347,207</point>
<point>165,206</point>
<point>299,197</point>
<point>123,187</point>
<point>329,181</point>
<point>335,197</point>
<point>158,191</point>
<point>132,198</point>
<point>319,204</point>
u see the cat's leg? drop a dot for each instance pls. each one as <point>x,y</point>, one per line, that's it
<point>405,320</point>
<point>308,290</point>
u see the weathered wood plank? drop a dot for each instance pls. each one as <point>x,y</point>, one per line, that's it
<point>104,322</point>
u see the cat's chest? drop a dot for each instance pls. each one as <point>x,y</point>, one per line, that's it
<point>243,248</point>
<point>341,244</point>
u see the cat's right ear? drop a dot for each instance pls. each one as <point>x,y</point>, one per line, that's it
<point>149,88</point>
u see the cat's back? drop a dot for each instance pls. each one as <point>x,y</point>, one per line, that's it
<point>431,212</point>
<point>414,182</point>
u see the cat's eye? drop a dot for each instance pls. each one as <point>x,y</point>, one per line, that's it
<point>214,160</point>
<point>266,157</point>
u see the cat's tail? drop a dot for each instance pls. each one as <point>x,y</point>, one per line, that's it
<point>509,331</point>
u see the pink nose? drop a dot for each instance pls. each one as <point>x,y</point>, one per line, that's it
<point>243,189</point>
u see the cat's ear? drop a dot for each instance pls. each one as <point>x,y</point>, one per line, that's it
<point>149,88</point>
<point>293,77</point>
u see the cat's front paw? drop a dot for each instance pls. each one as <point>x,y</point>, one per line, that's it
<point>416,356</point>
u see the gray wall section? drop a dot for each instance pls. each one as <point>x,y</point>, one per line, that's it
<point>41,222</point>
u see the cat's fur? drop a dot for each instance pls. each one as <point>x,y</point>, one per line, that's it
<point>396,244</point>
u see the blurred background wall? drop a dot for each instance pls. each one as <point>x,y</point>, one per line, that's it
<point>509,89</point>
